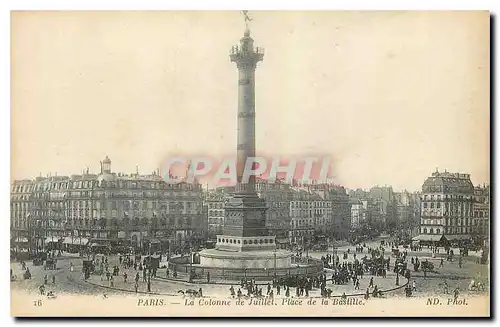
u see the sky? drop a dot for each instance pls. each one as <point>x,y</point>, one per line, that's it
<point>388,96</point>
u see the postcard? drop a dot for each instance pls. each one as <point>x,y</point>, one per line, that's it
<point>250,163</point>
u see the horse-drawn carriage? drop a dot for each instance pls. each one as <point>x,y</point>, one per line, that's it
<point>39,259</point>
<point>50,264</point>
<point>37,262</point>
<point>376,264</point>
<point>477,285</point>
<point>427,266</point>
<point>400,268</point>
<point>190,293</point>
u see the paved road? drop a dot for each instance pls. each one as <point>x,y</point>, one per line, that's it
<point>72,282</point>
<point>433,284</point>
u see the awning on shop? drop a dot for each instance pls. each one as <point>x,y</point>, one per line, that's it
<point>20,240</point>
<point>106,240</point>
<point>458,237</point>
<point>429,238</point>
<point>97,245</point>
<point>155,241</point>
<point>52,239</point>
<point>75,240</point>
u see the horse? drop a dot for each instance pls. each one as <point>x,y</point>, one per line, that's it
<point>189,292</point>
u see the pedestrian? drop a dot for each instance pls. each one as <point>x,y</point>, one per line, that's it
<point>268,288</point>
<point>149,285</point>
<point>111,281</point>
<point>441,264</point>
<point>414,287</point>
<point>287,292</point>
<point>53,279</point>
<point>208,277</point>
<point>397,279</point>
<point>271,294</point>
<point>445,286</point>
<point>45,280</point>
<point>278,289</point>
<point>200,292</point>
<point>456,291</point>
<point>356,287</point>
<point>42,290</point>
<point>125,277</point>
<point>371,282</point>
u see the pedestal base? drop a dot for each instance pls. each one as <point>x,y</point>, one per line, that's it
<point>278,259</point>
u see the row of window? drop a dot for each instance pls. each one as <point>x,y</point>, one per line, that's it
<point>140,205</point>
<point>448,221</point>
<point>448,205</point>
<point>440,197</point>
<point>215,205</point>
<point>300,232</point>
<point>310,204</point>
<point>216,213</point>
<point>447,230</point>
<point>45,186</point>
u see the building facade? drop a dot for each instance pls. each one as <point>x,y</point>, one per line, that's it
<point>481,211</point>
<point>407,213</point>
<point>277,196</point>
<point>387,206</point>
<point>20,212</point>
<point>301,218</point>
<point>447,205</point>
<point>214,201</point>
<point>110,209</point>
<point>341,212</point>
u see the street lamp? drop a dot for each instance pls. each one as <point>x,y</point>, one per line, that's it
<point>274,263</point>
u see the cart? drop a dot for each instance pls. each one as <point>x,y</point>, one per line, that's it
<point>50,264</point>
